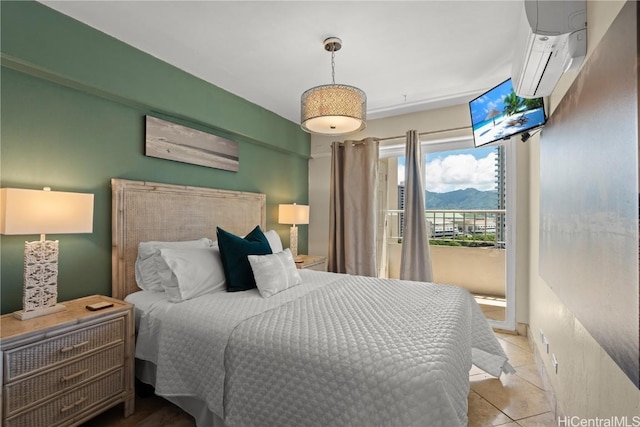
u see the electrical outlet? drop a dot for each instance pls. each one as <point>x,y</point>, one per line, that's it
<point>544,341</point>
<point>555,362</point>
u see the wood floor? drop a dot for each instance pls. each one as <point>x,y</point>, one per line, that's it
<point>511,401</point>
<point>151,411</point>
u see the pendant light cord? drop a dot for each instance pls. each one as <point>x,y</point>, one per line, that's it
<point>333,66</point>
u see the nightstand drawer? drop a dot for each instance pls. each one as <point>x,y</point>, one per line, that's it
<point>68,405</point>
<point>37,356</point>
<point>32,389</point>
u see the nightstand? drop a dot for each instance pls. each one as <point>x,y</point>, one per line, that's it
<point>64,368</point>
<point>312,262</point>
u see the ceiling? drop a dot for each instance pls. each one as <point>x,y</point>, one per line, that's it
<point>407,56</point>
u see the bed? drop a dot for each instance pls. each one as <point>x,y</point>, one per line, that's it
<point>333,350</point>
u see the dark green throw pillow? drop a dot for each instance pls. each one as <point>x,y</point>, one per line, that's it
<point>234,251</point>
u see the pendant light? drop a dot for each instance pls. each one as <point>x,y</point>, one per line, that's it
<point>333,109</point>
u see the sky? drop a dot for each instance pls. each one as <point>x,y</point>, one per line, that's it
<point>493,99</point>
<point>456,170</point>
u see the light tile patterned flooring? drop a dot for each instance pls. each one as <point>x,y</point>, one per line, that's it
<point>512,401</point>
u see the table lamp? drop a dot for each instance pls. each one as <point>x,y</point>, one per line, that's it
<point>293,214</point>
<point>43,212</point>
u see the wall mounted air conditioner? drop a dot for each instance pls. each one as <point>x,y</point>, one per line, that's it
<point>551,41</point>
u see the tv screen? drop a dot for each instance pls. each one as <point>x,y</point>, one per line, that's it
<point>499,114</point>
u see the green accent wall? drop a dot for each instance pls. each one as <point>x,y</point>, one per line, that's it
<point>73,102</point>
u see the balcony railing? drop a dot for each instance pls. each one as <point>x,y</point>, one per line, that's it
<point>469,227</point>
<point>467,248</point>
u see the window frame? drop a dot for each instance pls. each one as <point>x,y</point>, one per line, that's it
<point>509,153</point>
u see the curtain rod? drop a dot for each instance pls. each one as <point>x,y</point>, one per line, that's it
<point>388,138</point>
<point>425,133</point>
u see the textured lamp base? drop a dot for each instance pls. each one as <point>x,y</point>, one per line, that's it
<point>293,241</point>
<point>26,315</point>
<point>40,295</point>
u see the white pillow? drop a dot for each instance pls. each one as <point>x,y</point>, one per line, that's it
<point>151,269</point>
<point>274,241</point>
<point>194,272</point>
<point>275,272</point>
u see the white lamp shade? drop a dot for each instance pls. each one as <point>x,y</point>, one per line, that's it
<point>45,212</point>
<point>333,110</point>
<point>293,214</point>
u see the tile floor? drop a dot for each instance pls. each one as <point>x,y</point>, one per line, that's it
<point>512,401</point>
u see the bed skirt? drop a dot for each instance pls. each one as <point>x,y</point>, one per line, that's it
<point>146,372</point>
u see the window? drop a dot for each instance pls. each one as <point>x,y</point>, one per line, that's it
<point>466,207</point>
<point>456,181</point>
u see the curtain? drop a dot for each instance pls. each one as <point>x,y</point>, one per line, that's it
<point>415,261</point>
<point>352,222</point>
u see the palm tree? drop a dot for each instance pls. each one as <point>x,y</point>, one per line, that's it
<point>512,103</point>
<point>533,103</point>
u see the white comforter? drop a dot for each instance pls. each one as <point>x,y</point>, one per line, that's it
<point>337,350</point>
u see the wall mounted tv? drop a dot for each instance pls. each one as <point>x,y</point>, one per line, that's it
<point>500,114</point>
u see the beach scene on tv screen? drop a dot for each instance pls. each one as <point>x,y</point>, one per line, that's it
<point>500,113</point>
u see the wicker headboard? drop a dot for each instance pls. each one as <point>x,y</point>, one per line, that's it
<point>145,211</point>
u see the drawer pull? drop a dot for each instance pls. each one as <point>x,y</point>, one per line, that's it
<point>72,376</point>
<point>73,405</point>
<point>73,347</point>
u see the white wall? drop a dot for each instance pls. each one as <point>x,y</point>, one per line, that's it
<point>588,384</point>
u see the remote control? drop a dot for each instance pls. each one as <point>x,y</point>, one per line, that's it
<point>99,306</point>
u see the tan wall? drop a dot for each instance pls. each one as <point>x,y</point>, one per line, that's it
<point>318,231</point>
<point>588,384</point>
<point>481,271</point>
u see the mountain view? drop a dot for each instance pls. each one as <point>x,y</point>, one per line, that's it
<point>469,198</point>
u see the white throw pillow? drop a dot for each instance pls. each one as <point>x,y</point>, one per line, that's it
<point>194,272</point>
<point>275,272</point>
<point>151,269</point>
<point>274,241</point>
